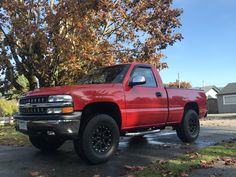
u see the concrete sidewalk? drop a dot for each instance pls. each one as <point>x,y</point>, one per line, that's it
<point>221,116</point>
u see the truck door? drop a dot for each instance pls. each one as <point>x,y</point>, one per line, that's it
<point>146,104</point>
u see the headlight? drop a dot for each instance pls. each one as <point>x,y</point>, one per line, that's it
<point>63,104</point>
<point>60,98</point>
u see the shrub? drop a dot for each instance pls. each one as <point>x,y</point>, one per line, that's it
<point>8,107</point>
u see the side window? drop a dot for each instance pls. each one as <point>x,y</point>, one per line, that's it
<point>147,73</point>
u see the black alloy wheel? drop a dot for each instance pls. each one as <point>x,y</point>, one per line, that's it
<point>98,139</point>
<point>193,125</point>
<point>102,139</point>
<point>189,129</point>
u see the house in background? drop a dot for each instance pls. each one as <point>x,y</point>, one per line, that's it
<point>227,99</point>
<point>211,94</point>
<point>211,91</point>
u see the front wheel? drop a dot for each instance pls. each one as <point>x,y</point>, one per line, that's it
<point>98,139</point>
<point>189,128</point>
<point>46,143</point>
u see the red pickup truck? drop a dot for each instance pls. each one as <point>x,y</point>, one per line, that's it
<point>107,103</point>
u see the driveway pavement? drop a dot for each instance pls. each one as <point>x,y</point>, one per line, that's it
<point>20,161</point>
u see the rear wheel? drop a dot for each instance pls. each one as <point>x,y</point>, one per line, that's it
<point>98,140</point>
<point>189,128</point>
<point>46,143</point>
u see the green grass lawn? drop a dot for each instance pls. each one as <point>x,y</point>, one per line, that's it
<point>9,136</point>
<point>204,158</point>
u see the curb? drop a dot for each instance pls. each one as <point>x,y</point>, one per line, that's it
<point>220,116</point>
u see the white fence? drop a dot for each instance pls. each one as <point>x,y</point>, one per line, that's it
<point>6,120</point>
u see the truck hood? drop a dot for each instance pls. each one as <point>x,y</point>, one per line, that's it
<point>84,94</point>
<point>66,89</point>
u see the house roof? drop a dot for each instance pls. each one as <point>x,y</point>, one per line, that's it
<point>207,88</point>
<point>228,89</point>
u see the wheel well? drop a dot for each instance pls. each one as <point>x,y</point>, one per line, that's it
<point>109,108</point>
<point>193,106</point>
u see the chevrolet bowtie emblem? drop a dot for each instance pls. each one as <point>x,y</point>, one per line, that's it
<point>27,105</point>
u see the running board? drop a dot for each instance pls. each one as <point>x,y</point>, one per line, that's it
<point>142,133</point>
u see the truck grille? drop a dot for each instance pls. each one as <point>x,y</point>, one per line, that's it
<point>43,99</point>
<point>33,100</point>
<point>33,110</point>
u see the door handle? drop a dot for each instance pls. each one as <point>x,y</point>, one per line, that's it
<point>158,94</point>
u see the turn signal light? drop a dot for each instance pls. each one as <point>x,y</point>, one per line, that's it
<point>67,110</point>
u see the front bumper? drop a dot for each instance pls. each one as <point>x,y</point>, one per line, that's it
<point>64,126</point>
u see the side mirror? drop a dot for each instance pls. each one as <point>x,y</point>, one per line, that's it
<point>137,80</point>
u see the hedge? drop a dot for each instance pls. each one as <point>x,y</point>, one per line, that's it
<point>8,107</point>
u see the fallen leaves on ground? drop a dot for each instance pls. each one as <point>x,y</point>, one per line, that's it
<point>206,164</point>
<point>230,162</point>
<point>227,160</point>
<point>134,168</point>
<point>183,174</point>
<point>204,158</point>
<point>10,137</point>
<point>193,155</point>
<point>34,173</point>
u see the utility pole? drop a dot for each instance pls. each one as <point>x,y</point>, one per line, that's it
<point>203,83</point>
<point>178,80</point>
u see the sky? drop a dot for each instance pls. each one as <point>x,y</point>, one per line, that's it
<point>207,54</point>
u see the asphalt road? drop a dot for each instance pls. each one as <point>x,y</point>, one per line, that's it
<point>20,161</point>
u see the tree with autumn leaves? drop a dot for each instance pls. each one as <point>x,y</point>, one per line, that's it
<point>56,42</point>
<point>180,84</point>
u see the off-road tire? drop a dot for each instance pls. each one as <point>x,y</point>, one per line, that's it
<point>189,129</point>
<point>46,144</point>
<point>98,139</point>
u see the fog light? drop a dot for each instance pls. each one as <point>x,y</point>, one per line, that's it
<point>57,110</point>
<point>60,110</point>
<point>54,110</point>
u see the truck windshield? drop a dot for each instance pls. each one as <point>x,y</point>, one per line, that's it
<point>112,74</point>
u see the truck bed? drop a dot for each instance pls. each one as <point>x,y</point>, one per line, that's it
<point>177,99</point>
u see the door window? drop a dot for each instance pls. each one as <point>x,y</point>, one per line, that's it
<point>147,73</point>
